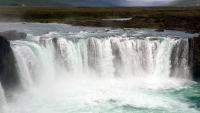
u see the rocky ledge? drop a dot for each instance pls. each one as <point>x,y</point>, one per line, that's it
<point>13,35</point>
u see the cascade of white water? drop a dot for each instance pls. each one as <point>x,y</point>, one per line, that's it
<point>184,67</point>
<point>126,55</point>
<point>47,70</point>
<point>148,56</point>
<point>98,70</point>
<point>70,55</point>
<point>179,58</point>
<point>25,63</point>
<point>118,56</point>
<point>94,54</point>
<point>143,54</point>
<point>79,60</point>
<point>34,61</point>
<point>162,59</point>
<point>109,57</point>
<point>83,52</point>
<point>135,59</point>
<point>107,60</point>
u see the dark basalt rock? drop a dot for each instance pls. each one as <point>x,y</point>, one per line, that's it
<point>13,35</point>
<point>194,57</point>
<point>8,71</point>
<point>55,43</point>
<point>160,30</point>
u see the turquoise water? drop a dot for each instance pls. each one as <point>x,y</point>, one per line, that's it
<point>100,70</point>
<point>103,95</point>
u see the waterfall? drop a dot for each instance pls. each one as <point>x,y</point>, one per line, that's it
<point>70,56</point>
<point>179,58</point>
<point>94,54</point>
<point>149,56</point>
<point>26,63</point>
<point>35,61</point>
<point>49,58</point>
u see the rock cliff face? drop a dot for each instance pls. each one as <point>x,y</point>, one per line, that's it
<point>194,57</point>
<point>8,71</point>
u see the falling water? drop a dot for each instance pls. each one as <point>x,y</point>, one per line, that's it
<point>67,69</point>
<point>179,58</point>
<point>108,57</point>
<point>61,64</point>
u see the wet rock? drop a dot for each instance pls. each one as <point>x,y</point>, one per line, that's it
<point>8,71</point>
<point>13,35</point>
<point>194,57</point>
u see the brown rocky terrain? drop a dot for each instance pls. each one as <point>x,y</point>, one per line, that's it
<point>188,24</point>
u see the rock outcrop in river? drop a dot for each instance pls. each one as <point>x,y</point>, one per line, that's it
<point>8,71</point>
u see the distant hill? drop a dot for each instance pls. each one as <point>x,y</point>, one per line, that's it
<point>30,3</point>
<point>184,3</point>
<point>56,3</point>
<point>80,3</point>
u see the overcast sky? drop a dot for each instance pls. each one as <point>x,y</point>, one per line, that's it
<point>150,0</point>
<point>146,2</point>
